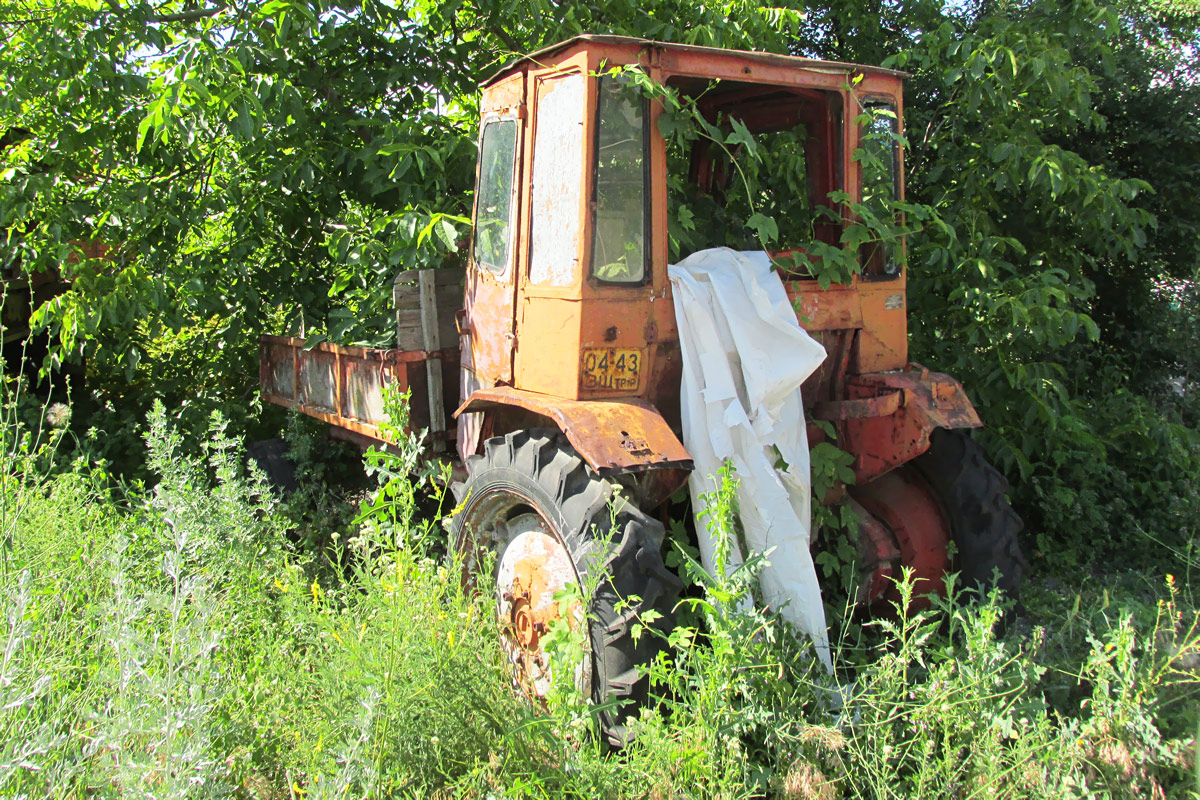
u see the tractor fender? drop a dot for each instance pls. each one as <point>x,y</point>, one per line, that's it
<point>889,416</point>
<point>614,437</point>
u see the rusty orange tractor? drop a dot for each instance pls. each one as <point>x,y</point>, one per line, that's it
<point>564,352</point>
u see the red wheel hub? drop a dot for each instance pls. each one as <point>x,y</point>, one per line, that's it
<point>523,626</point>
<point>902,507</point>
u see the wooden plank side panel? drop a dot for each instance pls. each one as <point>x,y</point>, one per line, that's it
<point>406,296</point>
<point>433,367</point>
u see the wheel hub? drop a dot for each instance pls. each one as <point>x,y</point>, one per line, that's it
<point>908,510</point>
<point>534,567</point>
<point>524,627</point>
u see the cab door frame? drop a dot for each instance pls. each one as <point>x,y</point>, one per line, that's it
<point>489,324</point>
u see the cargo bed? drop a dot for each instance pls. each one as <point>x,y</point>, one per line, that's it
<point>343,386</point>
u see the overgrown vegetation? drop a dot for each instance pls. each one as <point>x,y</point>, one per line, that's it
<point>169,641</point>
<point>267,167</point>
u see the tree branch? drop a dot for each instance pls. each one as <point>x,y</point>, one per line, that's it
<point>506,40</point>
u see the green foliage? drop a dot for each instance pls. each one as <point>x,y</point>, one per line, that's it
<point>406,475</point>
<point>269,168</point>
<point>166,642</point>
<point>766,202</point>
<point>735,683</point>
<point>1052,232</point>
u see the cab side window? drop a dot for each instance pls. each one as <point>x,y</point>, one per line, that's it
<point>620,216</point>
<point>494,203</point>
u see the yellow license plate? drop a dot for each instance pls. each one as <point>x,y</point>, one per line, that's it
<point>611,369</point>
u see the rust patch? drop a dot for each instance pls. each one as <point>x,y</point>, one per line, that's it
<point>343,385</point>
<point>597,428</point>
<point>927,400</point>
<point>635,447</point>
<point>533,568</point>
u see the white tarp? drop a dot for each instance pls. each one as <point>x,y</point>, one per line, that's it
<point>744,358</point>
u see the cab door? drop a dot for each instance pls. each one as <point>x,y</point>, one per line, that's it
<point>488,327</point>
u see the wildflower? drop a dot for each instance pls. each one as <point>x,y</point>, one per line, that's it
<point>58,415</point>
<point>316,591</point>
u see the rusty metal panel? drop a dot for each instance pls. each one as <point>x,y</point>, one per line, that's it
<point>883,342</point>
<point>777,70</point>
<point>700,60</point>
<point>548,348</point>
<point>557,191</point>
<point>344,385</point>
<point>616,324</point>
<point>860,408</point>
<point>363,393</point>
<point>835,308</point>
<point>502,96</point>
<point>929,400</point>
<point>487,323</point>
<point>612,436</point>
<point>278,368</point>
<point>317,379</point>
<point>828,380</point>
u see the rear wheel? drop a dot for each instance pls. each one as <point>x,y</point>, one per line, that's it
<point>972,495</point>
<point>550,520</point>
<point>948,494</point>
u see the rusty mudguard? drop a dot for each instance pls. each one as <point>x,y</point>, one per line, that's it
<point>612,436</point>
<point>888,416</point>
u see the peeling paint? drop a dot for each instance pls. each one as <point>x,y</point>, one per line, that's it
<point>557,182</point>
<point>533,567</point>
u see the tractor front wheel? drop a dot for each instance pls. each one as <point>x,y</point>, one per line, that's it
<point>549,521</point>
<point>948,494</point>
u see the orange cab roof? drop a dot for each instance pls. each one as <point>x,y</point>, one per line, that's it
<point>751,56</point>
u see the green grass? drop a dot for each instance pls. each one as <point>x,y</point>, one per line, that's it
<point>171,641</point>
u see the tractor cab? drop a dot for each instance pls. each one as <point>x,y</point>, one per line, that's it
<point>585,194</point>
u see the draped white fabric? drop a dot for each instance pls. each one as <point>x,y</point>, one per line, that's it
<point>744,358</point>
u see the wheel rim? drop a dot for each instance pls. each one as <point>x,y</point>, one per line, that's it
<point>906,505</point>
<point>532,565</point>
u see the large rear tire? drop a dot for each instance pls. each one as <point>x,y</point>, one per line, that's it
<point>550,519</point>
<point>983,525</point>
